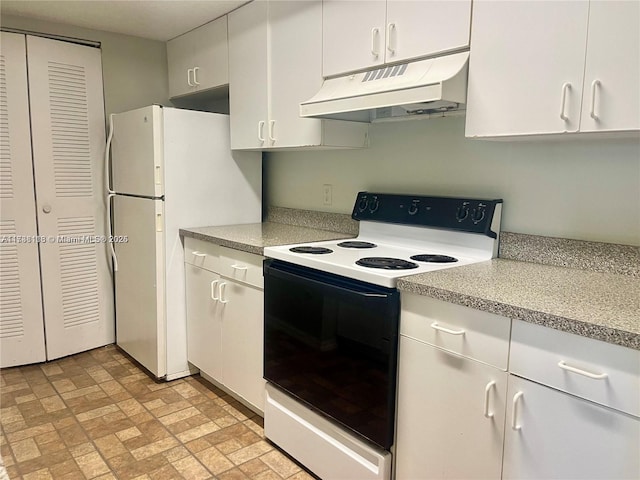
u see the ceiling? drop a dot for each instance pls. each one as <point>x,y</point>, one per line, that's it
<point>153,19</point>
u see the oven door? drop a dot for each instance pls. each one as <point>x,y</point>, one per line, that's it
<point>331,342</point>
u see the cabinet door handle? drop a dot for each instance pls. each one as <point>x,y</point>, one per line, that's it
<point>214,283</point>
<point>198,254</point>
<point>375,41</point>
<point>239,267</point>
<point>223,288</point>
<point>435,326</point>
<point>514,413</point>
<point>579,371</point>
<point>565,88</point>
<point>195,77</point>
<point>189,71</point>
<point>261,130</point>
<point>594,88</point>
<point>391,44</point>
<point>272,126</point>
<point>487,393</point>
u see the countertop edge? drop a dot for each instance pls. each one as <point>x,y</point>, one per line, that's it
<point>243,247</point>
<point>570,325</point>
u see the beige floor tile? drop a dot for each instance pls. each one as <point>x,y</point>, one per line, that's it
<point>96,415</point>
<point>214,460</point>
<point>190,468</point>
<point>25,450</point>
<point>280,464</point>
<point>92,465</point>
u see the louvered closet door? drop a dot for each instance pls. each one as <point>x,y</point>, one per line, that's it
<point>68,130</point>
<point>21,327</point>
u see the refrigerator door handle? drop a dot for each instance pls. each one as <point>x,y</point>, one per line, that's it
<point>107,151</point>
<point>109,227</point>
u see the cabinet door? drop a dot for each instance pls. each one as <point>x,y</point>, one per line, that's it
<point>353,35</point>
<point>21,323</point>
<point>180,63</point>
<point>68,137</point>
<point>555,435</point>
<point>210,55</point>
<point>526,67</point>
<point>204,327</point>
<point>416,29</point>
<point>442,430</point>
<point>242,346</point>
<point>248,76</point>
<point>295,40</point>
<point>612,74</point>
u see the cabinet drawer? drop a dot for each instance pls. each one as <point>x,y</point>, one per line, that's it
<point>598,371</point>
<point>235,264</point>
<point>462,330</point>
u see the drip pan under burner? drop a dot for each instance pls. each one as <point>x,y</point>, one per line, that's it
<point>357,244</point>
<point>434,258</point>
<point>311,250</point>
<point>386,263</point>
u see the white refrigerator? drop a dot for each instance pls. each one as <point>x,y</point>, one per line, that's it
<point>171,169</point>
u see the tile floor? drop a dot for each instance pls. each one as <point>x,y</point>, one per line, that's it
<point>97,415</point>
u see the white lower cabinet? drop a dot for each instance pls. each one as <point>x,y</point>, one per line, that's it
<point>571,409</point>
<point>224,299</point>
<point>554,435</point>
<point>452,386</point>
<point>451,414</point>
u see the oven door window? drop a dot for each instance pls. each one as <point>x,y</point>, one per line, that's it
<point>331,342</point>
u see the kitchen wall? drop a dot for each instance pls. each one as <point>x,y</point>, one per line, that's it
<point>134,69</point>
<point>581,189</point>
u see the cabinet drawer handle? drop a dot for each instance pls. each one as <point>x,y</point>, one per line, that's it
<point>569,368</point>
<point>375,38</point>
<point>514,413</point>
<point>565,88</point>
<point>391,44</point>
<point>487,393</point>
<point>223,289</point>
<point>213,290</point>
<point>239,267</point>
<point>195,73</point>
<point>435,326</point>
<point>261,130</point>
<point>594,88</point>
<point>198,254</point>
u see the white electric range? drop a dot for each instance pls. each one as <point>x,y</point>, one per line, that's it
<point>331,325</point>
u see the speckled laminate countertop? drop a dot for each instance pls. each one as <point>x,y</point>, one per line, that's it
<point>253,237</point>
<point>592,304</point>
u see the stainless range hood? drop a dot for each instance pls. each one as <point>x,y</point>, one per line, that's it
<point>411,90</point>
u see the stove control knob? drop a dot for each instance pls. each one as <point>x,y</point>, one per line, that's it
<point>463,212</point>
<point>413,208</point>
<point>478,213</point>
<point>362,204</point>
<point>374,204</point>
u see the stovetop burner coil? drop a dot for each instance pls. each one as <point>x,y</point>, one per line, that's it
<point>356,244</point>
<point>386,263</point>
<point>434,258</point>
<point>311,250</point>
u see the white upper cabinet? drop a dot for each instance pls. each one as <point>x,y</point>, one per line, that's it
<point>274,64</point>
<point>527,72</point>
<point>362,34</point>
<point>198,60</point>
<point>611,97</point>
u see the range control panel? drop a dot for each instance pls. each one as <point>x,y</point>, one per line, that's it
<point>451,213</point>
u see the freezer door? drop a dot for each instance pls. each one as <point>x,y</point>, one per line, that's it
<point>137,153</point>
<point>140,281</point>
